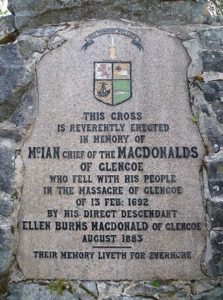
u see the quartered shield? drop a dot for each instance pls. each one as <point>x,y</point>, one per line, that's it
<point>112,82</point>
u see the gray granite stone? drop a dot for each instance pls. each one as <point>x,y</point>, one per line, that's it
<point>146,290</point>
<point>12,70</point>
<point>27,109</point>
<point>211,38</point>
<point>141,290</point>
<point>46,31</point>
<point>65,94</point>
<point>13,79</point>
<point>6,248</point>
<point>31,291</point>
<point>4,281</point>
<point>130,298</point>
<point>214,135</point>
<point>6,205</point>
<point>213,90</point>
<point>29,44</point>
<point>215,294</point>
<point>81,292</point>
<point>32,14</point>
<point>112,289</point>
<point>218,109</point>
<point>215,261</point>
<point>11,134</point>
<point>215,179</point>
<point>7,168</point>
<point>90,287</point>
<point>212,61</point>
<point>205,285</point>
<point>215,211</point>
<point>211,132</point>
<point>8,32</point>
<point>183,295</point>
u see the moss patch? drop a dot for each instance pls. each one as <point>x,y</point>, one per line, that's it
<point>59,286</point>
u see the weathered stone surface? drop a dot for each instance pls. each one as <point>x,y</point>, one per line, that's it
<point>215,262</point>
<point>206,285</point>
<point>6,247</point>
<point>84,295</point>
<point>215,175</point>
<point>218,109</point>
<point>90,287</point>
<point>182,295</point>
<point>81,291</point>
<point>7,156</point>
<point>13,135</point>
<point>4,281</point>
<point>212,61</point>
<point>13,79</point>
<point>146,290</point>
<point>211,132</point>
<point>8,32</point>
<point>26,110</point>
<point>106,289</point>
<point>211,38</point>
<point>183,290</point>
<point>62,98</point>
<point>215,294</point>
<point>215,211</point>
<point>12,70</point>
<point>140,290</point>
<point>6,205</point>
<point>35,13</point>
<point>129,298</point>
<point>30,291</point>
<point>213,90</point>
<point>30,44</point>
<point>213,95</point>
<point>45,32</point>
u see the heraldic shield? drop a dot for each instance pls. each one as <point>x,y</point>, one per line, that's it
<point>112,82</point>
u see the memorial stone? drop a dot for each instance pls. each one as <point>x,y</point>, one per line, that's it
<point>112,184</point>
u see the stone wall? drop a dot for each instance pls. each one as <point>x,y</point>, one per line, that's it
<point>33,29</point>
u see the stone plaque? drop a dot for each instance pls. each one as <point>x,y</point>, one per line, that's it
<point>112,187</point>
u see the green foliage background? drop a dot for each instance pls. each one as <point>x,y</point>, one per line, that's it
<point>3,11</point>
<point>219,6</point>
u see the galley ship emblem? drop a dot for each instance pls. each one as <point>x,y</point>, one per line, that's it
<point>112,79</point>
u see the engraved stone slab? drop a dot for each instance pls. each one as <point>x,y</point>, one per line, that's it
<point>112,186</point>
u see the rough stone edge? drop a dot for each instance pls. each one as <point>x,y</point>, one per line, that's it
<point>54,41</point>
<point>150,12</point>
<point>201,110</point>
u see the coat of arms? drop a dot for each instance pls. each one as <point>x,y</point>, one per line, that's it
<point>112,77</point>
<point>112,81</point>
